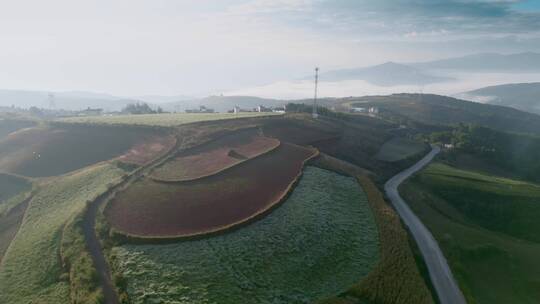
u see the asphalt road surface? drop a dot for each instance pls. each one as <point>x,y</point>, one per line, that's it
<point>439,272</point>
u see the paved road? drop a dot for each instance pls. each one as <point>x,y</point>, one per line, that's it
<point>441,275</point>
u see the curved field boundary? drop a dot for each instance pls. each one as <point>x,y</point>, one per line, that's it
<point>144,152</point>
<point>140,239</point>
<point>239,162</point>
<point>395,279</point>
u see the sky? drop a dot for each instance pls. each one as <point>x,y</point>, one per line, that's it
<point>176,47</point>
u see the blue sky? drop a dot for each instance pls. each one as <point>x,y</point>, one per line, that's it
<point>527,6</point>
<point>132,47</point>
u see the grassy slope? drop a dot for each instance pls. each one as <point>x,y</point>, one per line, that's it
<point>442,110</point>
<point>399,148</point>
<point>486,226</point>
<point>165,120</point>
<point>302,251</point>
<point>13,191</point>
<point>31,269</point>
<point>396,279</point>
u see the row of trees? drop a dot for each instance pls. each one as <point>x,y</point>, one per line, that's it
<point>518,153</point>
<point>141,108</point>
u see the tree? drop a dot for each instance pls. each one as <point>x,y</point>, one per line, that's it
<point>138,108</point>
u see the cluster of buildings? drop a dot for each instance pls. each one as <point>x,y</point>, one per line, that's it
<point>259,109</point>
<point>367,110</point>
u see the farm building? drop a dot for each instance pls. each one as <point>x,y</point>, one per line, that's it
<point>359,110</point>
<point>201,109</point>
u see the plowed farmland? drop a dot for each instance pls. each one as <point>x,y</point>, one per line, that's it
<point>216,156</point>
<point>149,208</point>
<point>153,147</point>
<point>48,151</point>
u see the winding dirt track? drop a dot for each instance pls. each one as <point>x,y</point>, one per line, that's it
<point>89,226</point>
<point>439,271</point>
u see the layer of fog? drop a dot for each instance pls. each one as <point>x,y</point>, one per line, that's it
<point>463,82</point>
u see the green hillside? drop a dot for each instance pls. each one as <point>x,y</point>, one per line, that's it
<point>522,96</point>
<point>442,110</point>
<point>509,154</point>
<point>487,227</point>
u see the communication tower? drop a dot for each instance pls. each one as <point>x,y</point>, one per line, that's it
<point>315,114</point>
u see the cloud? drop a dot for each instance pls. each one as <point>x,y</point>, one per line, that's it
<point>393,19</point>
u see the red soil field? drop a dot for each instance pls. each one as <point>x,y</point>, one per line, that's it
<point>148,150</point>
<point>50,151</point>
<point>216,156</point>
<point>153,209</point>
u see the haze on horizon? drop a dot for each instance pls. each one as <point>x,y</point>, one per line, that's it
<point>167,47</point>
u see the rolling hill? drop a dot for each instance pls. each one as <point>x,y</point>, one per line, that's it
<point>442,110</point>
<point>386,74</point>
<point>522,96</point>
<point>519,62</point>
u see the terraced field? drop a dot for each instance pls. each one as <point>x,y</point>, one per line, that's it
<point>318,243</point>
<point>164,120</point>
<point>216,156</point>
<point>49,151</point>
<point>155,209</point>
<point>31,270</point>
<point>487,227</point>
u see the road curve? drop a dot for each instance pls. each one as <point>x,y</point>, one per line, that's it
<point>439,272</point>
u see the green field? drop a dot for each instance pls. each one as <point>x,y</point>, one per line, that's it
<point>31,271</point>
<point>399,148</point>
<point>164,120</point>
<point>487,227</point>
<point>320,242</point>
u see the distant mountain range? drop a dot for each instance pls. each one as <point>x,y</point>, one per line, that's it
<point>386,74</point>
<point>73,100</point>
<point>486,62</point>
<point>522,96</point>
<point>424,73</point>
<point>79,100</point>
<point>383,77</point>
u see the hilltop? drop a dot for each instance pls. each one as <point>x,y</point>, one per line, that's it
<point>522,96</point>
<point>442,110</point>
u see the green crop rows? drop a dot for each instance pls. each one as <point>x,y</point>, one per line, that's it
<point>31,271</point>
<point>165,120</point>
<point>320,242</point>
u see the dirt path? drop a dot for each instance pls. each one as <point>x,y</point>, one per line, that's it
<point>10,224</point>
<point>89,226</point>
<point>94,247</point>
<point>439,271</point>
